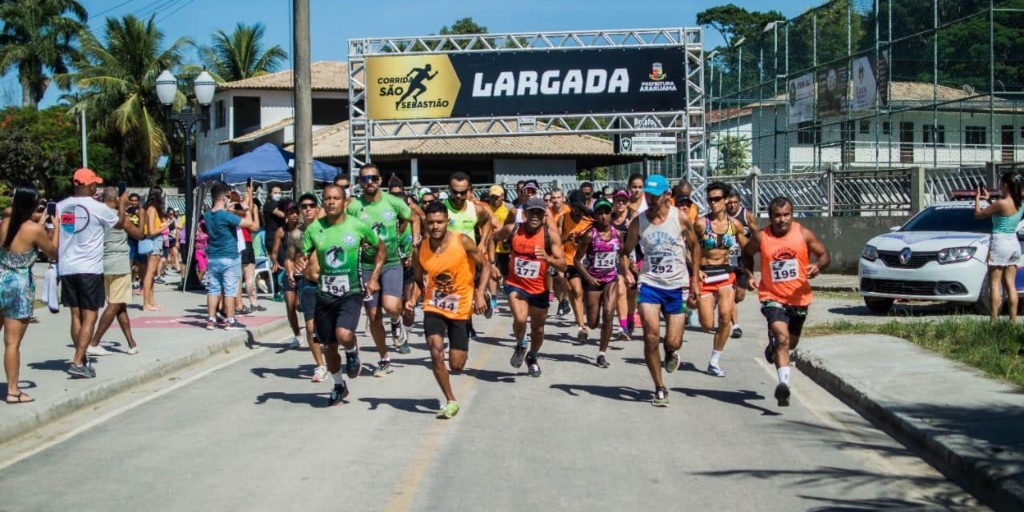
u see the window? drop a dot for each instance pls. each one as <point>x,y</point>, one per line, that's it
<point>246,117</point>
<point>934,135</point>
<point>220,115</point>
<point>865,126</point>
<point>847,131</point>
<point>885,128</point>
<point>328,111</point>
<point>808,133</point>
<point>974,136</point>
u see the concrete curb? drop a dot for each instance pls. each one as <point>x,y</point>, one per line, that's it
<point>75,402</point>
<point>990,483</point>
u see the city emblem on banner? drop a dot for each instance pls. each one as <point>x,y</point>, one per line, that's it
<point>657,72</point>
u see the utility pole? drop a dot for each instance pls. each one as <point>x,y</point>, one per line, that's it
<point>85,145</point>
<point>303,99</point>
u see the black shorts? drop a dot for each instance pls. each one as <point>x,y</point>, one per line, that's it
<point>600,286</point>
<point>336,313</point>
<point>407,276</point>
<point>307,300</point>
<point>501,259</point>
<point>535,301</point>
<point>456,331</point>
<point>742,279</point>
<point>248,256</point>
<point>793,316</point>
<point>572,273</point>
<point>83,291</point>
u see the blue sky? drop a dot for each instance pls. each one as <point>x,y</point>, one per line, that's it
<point>335,21</point>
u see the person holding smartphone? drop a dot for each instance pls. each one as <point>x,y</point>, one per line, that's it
<point>20,240</point>
<point>1004,248</point>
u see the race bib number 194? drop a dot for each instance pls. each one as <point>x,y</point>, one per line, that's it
<point>334,285</point>
<point>784,270</point>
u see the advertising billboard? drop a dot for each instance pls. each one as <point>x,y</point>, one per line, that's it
<point>833,84</point>
<point>527,83</point>
<point>870,81</point>
<point>800,96</point>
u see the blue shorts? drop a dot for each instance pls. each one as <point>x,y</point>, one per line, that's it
<point>223,274</point>
<point>672,302</point>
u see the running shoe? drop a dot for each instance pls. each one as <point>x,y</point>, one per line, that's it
<point>258,307</point>
<point>320,374</point>
<point>97,351</point>
<point>353,367</point>
<point>449,410</point>
<point>716,371</point>
<point>582,336</point>
<point>602,361</point>
<point>491,305</point>
<point>672,361</point>
<point>338,395</point>
<point>245,310</point>
<point>383,368</point>
<point>563,308</point>
<point>660,398</point>
<point>404,348</point>
<point>234,325</point>
<point>769,351</point>
<point>398,334</point>
<point>518,355</point>
<point>532,365</point>
<point>782,395</point>
<point>211,324</point>
<point>81,371</point>
<point>295,343</point>
<point>620,334</point>
<point>132,351</point>
<point>737,333</point>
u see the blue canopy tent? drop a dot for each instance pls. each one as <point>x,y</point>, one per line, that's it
<point>264,164</point>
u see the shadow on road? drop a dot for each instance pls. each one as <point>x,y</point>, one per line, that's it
<point>417,405</point>
<point>302,372</point>
<point>490,375</point>
<point>623,393</point>
<point>53,365</point>
<point>310,399</point>
<point>741,398</point>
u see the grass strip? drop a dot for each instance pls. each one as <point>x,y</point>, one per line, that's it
<point>995,349</point>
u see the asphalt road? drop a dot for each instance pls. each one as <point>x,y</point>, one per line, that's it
<point>248,431</point>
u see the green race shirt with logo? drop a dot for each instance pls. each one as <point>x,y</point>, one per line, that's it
<point>382,216</point>
<point>337,250</point>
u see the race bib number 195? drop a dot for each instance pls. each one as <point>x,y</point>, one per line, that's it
<point>334,285</point>
<point>784,270</point>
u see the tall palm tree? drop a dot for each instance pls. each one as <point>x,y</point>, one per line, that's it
<point>240,55</point>
<point>119,80</point>
<point>38,39</point>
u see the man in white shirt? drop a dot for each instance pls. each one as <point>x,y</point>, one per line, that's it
<point>83,221</point>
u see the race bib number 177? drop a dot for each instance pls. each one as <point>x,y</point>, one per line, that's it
<point>527,268</point>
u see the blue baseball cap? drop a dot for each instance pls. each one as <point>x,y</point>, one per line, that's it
<point>656,184</point>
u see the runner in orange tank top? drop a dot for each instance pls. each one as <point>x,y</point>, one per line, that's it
<point>534,248</point>
<point>785,292</point>
<point>573,227</point>
<point>445,266</point>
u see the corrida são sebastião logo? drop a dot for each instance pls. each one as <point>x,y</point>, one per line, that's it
<point>410,87</point>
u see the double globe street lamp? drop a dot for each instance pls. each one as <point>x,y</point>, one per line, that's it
<point>182,124</point>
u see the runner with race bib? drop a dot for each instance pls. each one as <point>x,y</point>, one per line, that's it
<point>597,264</point>
<point>535,247</point>
<point>664,232</point>
<point>736,210</point>
<point>336,239</point>
<point>785,291</point>
<point>444,269</point>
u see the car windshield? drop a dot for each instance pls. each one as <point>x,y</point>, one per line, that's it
<point>948,218</point>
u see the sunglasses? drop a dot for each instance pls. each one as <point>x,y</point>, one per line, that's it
<point>458,192</point>
<point>370,178</point>
<point>307,206</point>
<point>715,199</point>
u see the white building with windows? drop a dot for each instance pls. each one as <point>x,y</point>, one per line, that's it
<point>921,126</point>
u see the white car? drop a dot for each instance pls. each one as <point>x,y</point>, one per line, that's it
<point>940,254</point>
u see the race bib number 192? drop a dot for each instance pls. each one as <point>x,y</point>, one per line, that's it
<point>784,270</point>
<point>527,268</point>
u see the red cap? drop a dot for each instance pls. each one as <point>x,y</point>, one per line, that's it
<point>85,176</point>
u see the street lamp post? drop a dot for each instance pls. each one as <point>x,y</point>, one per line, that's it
<point>183,124</point>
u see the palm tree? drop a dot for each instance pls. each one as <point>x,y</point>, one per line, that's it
<point>37,39</point>
<point>119,83</point>
<point>240,55</point>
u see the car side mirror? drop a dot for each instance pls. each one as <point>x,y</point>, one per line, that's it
<point>894,229</point>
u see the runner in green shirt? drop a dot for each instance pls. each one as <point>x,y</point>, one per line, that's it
<point>336,240</point>
<point>383,212</point>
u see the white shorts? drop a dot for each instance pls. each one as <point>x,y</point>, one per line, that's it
<point>1004,250</point>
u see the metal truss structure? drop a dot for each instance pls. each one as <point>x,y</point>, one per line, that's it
<point>689,125</point>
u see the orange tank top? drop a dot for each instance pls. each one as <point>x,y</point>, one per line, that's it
<point>525,271</point>
<point>572,227</point>
<point>448,279</point>
<point>784,267</point>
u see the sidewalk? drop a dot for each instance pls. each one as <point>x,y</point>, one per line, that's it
<point>168,340</point>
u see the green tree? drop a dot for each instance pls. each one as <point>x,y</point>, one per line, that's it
<point>38,40</point>
<point>118,78</point>
<point>734,22</point>
<point>240,54</point>
<point>733,155</point>
<point>43,146</point>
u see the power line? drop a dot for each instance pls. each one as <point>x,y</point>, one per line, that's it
<point>184,5</point>
<point>122,4</point>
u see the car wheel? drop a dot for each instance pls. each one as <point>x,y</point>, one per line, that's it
<point>982,306</point>
<point>878,305</point>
